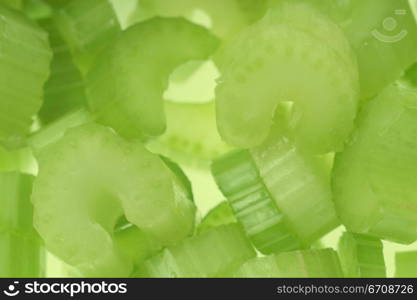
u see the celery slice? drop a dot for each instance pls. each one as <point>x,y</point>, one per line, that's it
<point>373,179</point>
<point>16,4</point>
<point>78,199</point>
<point>191,145</point>
<point>361,255</point>
<point>406,264</point>
<point>24,65</point>
<point>213,253</point>
<point>18,160</point>
<point>306,263</point>
<point>293,45</point>
<point>221,214</point>
<point>64,91</point>
<point>88,26</point>
<point>143,57</point>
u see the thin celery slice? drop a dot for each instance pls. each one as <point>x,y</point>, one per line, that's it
<point>361,255</point>
<point>221,214</point>
<point>213,253</point>
<point>88,26</point>
<point>24,65</point>
<point>78,199</point>
<point>374,177</point>
<point>125,88</point>
<point>295,54</point>
<point>197,144</point>
<point>406,264</point>
<point>64,91</point>
<point>320,263</point>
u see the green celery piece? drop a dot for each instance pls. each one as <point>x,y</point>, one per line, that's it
<point>88,27</point>
<point>411,75</point>
<point>221,214</point>
<point>87,181</point>
<point>361,256</point>
<point>213,253</point>
<point>126,11</point>
<point>21,256</point>
<point>55,130</point>
<point>16,4</point>
<point>38,9</point>
<point>239,180</point>
<point>383,34</point>
<point>293,54</point>
<point>406,264</point>
<point>64,91</point>
<point>226,17</point>
<point>21,252</point>
<point>125,88</point>
<point>374,177</point>
<point>17,160</point>
<point>320,263</point>
<point>197,144</point>
<point>24,65</point>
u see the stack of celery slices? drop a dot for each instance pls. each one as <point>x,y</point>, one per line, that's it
<point>208,138</point>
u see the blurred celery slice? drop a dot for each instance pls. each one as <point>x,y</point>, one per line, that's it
<point>221,214</point>
<point>374,177</point>
<point>406,264</point>
<point>125,89</point>
<point>361,255</point>
<point>320,263</point>
<point>64,91</point>
<point>16,4</point>
<point>213,253</point>
<point>88,27</point>
<point>24,65</point>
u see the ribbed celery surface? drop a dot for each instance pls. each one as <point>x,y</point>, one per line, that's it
<point>24,67</point>
<point>361,255</point>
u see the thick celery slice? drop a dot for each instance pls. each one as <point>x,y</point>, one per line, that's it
<point>88,26</point>
<point>320,263</point>
<point>64,91</point>
<point>238,178</point>
<point>293,54</point>
<point>125,88</point>
<point>24,64</point>
<point>21,256</point>
<point>221,214</point>
<point>361,255</point>
<point>374,177</point>
<point>88,180</point>
<point>406,264</point>
<point>197,144</point>
<point>21,253</point>
<point>213,253</point>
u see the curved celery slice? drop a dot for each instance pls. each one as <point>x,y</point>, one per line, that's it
<point>320,263</point>
<point>406,264</point>
<point>88,27</point>
<point>213,253</point>
<point>383,34</point>
<point>361,255</point>
<point>293,54</point>
<point>221,214</point>
<point>91,178</point>
<point>21,253</point>
<point>373,178</point>
<point>64,91</point>
<point>24,66</point>
<point>191,137</point>
<point>143,57</point>
<point>225,17</point>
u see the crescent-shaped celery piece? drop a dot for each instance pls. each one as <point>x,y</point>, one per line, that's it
<point>64,91</point>
<point>125,88</point>
<point>221,214</point>
<point>374,177</point>
<point>88,181</point>
<point>361,256</point>
<point>294,54</point>
<point>321,263</point>
<point>88,27</point>
<point>213,253</point>
<point>21,250</point>
<point>24,68</point>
